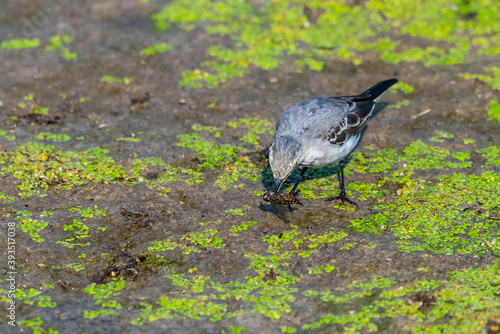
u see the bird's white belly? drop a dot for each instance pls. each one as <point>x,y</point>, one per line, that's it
<point>323,153</point>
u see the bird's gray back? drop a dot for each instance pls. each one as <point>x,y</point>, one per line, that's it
<point>314,117</point>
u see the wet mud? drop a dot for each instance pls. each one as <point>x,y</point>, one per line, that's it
<point>139,208</point>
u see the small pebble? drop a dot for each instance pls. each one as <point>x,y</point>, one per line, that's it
<point>273,80</point>
<point>182,101</point>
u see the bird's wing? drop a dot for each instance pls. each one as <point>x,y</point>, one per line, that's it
<point>359,111</point>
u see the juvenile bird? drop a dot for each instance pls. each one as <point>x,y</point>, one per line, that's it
<point>321,132</point>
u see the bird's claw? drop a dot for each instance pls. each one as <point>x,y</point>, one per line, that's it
<point>343,198</point>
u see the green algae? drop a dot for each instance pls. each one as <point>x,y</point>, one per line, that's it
<point>20,43</point>
<point>444,217</point>
<point>112,79</point>
<point>269,297</point>
<point>41,110</point>
<point>491,154</point>
<point>57,42</point>
<point>464,303</point>
<point>213,155</point>
<point>170,308</point>
<point>156,49</point>
<point>449,312</point>
<point>227,159</point>
<point>88,212</point>
<point>441,136</point>
<point>103,294</point>
<point>493,80</point>
<point>34,297</point>
<point>240,228</point>
<point>190,242</point>
<point>235,212</point>
<point>80,230</point>
<point>235,329</point>
<point>41,166</point>
<point>399,167</point>
<point>75,266</point>
<point>6,198</point>
<point>38,167</point>
<point>55,137</point>
<point>6,137</point>
<point>494,111</point>
<point>267,34</point>
<point>35,325</point>
<point>255,127</point>
<point>30,225</point>
<point>129,139</point>
<point>451,300</point>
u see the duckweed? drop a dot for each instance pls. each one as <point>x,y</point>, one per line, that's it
<point>453,213</point>
<point>240,228</point>
<point>103,293</point>
<point>6,198</point>
<point>451,216</point>
<point>131,139</point>
<point>399,167</point>
<point>156,49</point>
<point>170,308</point>
<point>493,80</point>
<point>441,136</point>
<point>235,212</point>
<point>448,311</point>
<point>88,212</point>
<point>34,297</point>
<point>190,242</point>
<point>494,111</point>
<point>20,43</point>
<point>492,155</point>
<point>266,34</point>
<point>58,138</point>
<point>80,229</point>
<point>111,79</point>
<point>451,300</point>
<point>30,225</point>
<point>255,125</point>
<point>35,325</point>
<point>56,43</point>
<point>38,166</point>
<point>41,111</point>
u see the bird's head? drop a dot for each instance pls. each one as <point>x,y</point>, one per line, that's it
<point>285,155</point>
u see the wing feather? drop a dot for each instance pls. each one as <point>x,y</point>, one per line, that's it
<point>352,124</point>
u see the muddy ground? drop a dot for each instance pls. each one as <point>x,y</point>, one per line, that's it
<point>199,253</point>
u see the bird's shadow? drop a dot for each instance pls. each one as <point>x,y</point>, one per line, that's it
<point>313,173</point>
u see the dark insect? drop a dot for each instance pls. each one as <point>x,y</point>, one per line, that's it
<point>281,198</point>
<point>290,199</point>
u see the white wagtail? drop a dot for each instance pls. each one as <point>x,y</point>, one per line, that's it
<point>321,132</point>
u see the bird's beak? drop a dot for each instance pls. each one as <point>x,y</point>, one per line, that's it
<point>277,184</point>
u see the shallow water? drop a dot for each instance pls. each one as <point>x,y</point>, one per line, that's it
<point>180,246</point>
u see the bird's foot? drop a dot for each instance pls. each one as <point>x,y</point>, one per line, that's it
<point>342,197</point>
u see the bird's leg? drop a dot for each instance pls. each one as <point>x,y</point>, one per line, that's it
<point>294,191</point>
<point>342,196</point>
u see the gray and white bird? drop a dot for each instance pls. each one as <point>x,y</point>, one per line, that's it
<point>321,132</point>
